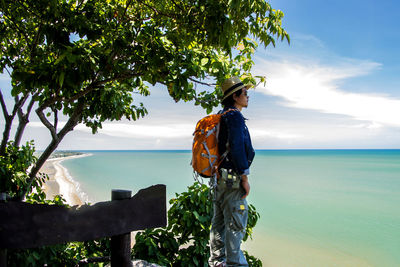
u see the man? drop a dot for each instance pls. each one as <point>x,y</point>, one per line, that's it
<point>230,205</point>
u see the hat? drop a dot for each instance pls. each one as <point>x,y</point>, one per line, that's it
<point>231,85</point>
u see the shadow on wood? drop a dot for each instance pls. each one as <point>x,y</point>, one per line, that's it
<point>24,225</point>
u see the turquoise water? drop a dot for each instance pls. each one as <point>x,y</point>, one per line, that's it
<point>318,207</point>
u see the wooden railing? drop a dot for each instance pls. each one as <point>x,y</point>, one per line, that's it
<point>24,225</point>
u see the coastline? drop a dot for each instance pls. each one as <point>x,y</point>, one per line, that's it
<point>61,183</point>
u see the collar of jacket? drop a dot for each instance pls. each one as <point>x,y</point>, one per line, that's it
<point>235,108</point>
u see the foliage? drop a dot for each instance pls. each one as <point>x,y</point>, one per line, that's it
<point>156,246</point>
<point>13,169</point>
<point>251,222</point>
<point>184,242</point>
<point>85,61</point>
<point>251,260</point>
<point>56,255</point>
<point>59,255</point>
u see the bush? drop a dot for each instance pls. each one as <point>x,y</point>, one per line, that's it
<point>68,254</point>
<point>13,169</point>
<point>184,242</point>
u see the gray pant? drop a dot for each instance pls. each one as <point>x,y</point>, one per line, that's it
<point>228,226</point>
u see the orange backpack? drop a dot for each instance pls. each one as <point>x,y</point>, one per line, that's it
<point>205,155</point>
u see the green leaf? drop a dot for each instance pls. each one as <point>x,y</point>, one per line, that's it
<point>196,215</point>
<point>61,79</point>
<point>204,61</point>
<point>60,58</point>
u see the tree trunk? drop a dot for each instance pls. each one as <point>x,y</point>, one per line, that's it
<point>43,157</point>
<point>6,136</point>
<point>23,121</point>
<point>9,119</point>
<point>20,131</point>
<point>69,126</point>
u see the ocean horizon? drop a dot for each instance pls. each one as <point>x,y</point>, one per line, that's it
<point>318,207</point>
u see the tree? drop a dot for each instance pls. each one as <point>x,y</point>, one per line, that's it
<point>85,60</point>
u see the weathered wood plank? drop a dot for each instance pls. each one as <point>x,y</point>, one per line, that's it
<point>24,225</point>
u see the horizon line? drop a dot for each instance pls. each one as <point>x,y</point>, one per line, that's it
<point>283,149</point>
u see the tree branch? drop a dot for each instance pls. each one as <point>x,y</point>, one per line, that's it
<point>126,8</point>
<point>21,118</point>
<point>19,103</point>
<point>73,120</point>
<point>55,111</point>
<point>35,41</point>
<point>42,117</point>
<point>23,121</point>
<point>203,83</point>
<point>257,84</point>
<point>28,111</point>
<point>158,12</point>
<point>9,74</point>
<point>9,119</point>
<point>174,2</point>
<point>3,106</point>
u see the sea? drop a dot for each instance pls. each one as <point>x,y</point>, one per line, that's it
<point>317,207</point>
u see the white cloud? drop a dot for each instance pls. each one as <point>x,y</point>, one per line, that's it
<point>158,131</point>
<point>135,130</point>
<point>372,125</point>
<point>258,132</point>
<point>307,39</point>
<point>316,87</point>
<point>179,134</point>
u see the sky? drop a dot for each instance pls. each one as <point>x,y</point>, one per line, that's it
<point>336,86</point>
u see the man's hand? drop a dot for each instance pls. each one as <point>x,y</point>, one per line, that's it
<point>246,185</point>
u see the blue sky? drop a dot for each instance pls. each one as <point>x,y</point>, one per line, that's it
<point>335,86</point>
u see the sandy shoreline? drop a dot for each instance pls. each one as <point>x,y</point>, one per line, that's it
<point>61,183</point>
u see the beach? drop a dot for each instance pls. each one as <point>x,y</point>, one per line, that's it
<point>61,183</point>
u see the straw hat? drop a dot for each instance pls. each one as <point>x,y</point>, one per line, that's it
<point>231,85</point>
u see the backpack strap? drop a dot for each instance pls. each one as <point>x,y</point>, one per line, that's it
<point>223,156</point>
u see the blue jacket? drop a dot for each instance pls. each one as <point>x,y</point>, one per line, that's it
<point>234,130</point>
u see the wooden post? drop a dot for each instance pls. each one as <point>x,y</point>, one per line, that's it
<point>121,244</point>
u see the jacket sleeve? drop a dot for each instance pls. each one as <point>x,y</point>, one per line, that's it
<point>237,152</point>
